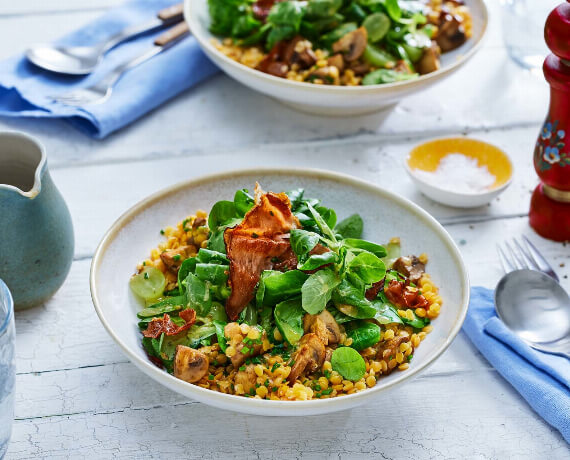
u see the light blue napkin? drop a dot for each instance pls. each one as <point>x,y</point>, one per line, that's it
<point>24,87</point>
<point>542,379</point>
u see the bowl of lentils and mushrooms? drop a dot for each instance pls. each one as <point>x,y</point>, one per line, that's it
<point>338,57</point>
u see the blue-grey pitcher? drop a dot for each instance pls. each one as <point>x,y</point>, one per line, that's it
<point>36,233</point>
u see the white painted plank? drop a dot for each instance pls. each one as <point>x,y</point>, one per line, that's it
<point>221,114</point>
<point>489,92</point>
<point>473,415</point>
<point>100,193</point>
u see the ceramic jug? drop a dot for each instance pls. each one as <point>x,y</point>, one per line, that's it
<point>36,233</point>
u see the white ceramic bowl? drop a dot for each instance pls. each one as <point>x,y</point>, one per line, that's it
<point>426,157</point>
<point>385,215</point>
<point>332,100</point>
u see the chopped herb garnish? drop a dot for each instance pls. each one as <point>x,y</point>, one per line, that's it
<point>162,232</point>
<point>211,377</point>
<point>275,366</point>
<point>176,257</point>
<point>242,368</point>
<point>245,350</point>
<point>410,357</point>
<point>144,263</point>
<point>254,235</point>
<point>252,392</point>
<point>327,374</point>
<point>274,389</point>
<point>317,387</point>
<point>328,391</point>
<point>146,276</point>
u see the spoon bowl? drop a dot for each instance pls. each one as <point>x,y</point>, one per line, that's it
<point>73,60</point>
<point>537,309</point>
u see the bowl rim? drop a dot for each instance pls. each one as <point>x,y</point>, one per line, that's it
<point>493,191</point>
<point>207,46</point>
<point>232,402</point>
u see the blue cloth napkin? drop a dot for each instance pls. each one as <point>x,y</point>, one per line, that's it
<point>542,379</point>
<point>24,88</point>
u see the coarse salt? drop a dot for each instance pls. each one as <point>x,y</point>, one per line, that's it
<point>458,173</point>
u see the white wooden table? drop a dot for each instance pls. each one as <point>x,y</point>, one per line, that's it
<point>78,396</point>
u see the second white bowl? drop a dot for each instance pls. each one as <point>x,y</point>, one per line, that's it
<point>332,100</point>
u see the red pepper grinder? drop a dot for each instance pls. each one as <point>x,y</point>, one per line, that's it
<point>550,202</point>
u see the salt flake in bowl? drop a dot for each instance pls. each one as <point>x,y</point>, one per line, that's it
<point>459,172</point>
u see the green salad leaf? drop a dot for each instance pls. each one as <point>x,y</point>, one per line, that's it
<point>351,227</point>
<point>348,363</point>
<point>317,290</point>
<point>289,319</point>
<point>363,334</point>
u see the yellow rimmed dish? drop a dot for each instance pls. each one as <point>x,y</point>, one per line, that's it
<point>427,156</point>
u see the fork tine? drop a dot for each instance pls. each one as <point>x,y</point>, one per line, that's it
<point>519,265</point>
<point>539,259</point>
<point>507,265</point>
<point>528,261</point>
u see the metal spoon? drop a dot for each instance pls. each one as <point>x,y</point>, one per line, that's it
<point>537,309</point>
<point>81,60</point>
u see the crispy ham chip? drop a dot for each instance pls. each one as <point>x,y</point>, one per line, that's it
<point>159,325</point>
<point>404,296</point>
<point>255,244</point>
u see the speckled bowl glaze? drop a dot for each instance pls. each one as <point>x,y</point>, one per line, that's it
<point>333,100</point>
<point>36,243</point>
<point>385,215</point>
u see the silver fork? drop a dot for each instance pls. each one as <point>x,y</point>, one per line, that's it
<point>523,255</point>
<point>102,90</point>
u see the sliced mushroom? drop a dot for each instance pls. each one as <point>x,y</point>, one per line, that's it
<point>199,222</point>
<point>451,33</point>
<point>299,51</point>
<point>359,68</point>
<point>190,365</point>
<point>352,45</point>
<point>279,69</point>
<point>324,326</point>
<point>247,378</point>
<point>388,350</point>
<point>337,61</point>
<point>272,63</point>
<point>329,75</point>
<point>411,267</point>
<point>309,357</point>
<point>429,62</point>
<point>403,67</point>
<point>173,258</point>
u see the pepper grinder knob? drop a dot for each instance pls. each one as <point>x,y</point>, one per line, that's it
<point>557,31</point>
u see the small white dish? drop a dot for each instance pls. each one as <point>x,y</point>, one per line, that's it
<point>385,215</point>
<point>426,157</point>
<point>332,100</point>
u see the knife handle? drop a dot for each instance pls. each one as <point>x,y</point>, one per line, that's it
<point>172,14</point>
<point>172,35</point>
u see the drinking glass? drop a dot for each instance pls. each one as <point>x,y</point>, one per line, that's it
<point>7,366</point>
<point>523,30</point>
